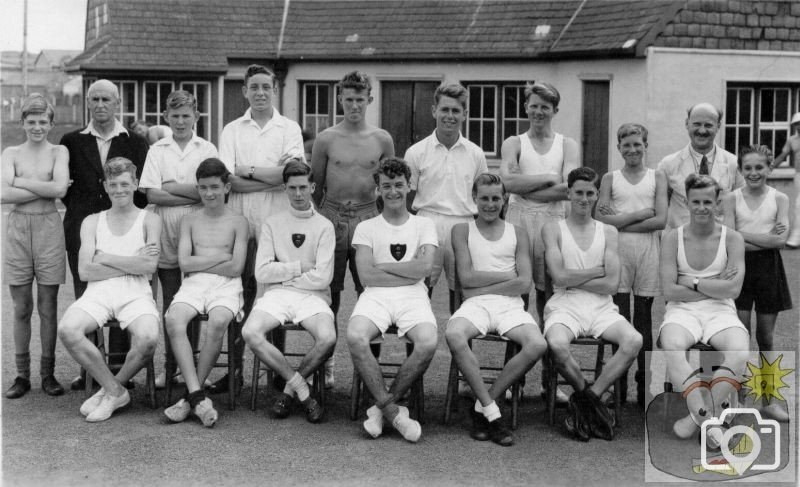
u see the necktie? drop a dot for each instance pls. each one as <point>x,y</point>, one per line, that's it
<point>704,165</point>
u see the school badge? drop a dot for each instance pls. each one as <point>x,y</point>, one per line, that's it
<point>398,251</point>
<point>298,239</point>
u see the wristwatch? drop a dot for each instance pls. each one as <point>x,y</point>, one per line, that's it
<point>251,172</point>
<point>695,282</point>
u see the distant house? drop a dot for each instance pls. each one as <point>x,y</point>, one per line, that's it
<point>613,61</point>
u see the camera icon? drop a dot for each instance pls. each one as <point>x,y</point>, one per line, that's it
<point>764,431</point>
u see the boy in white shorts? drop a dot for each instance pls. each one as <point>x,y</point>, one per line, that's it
<point>700,304</point>
<point>634,200</point>
<point>394,255</point>
<point>119,251</point>
<point>494,269</point>
<point>168,178</point>
<point>211,252</point>
<point>295,262</point>
<point>581,255</point>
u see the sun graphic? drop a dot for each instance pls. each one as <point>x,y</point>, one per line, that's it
<point>766,380</point>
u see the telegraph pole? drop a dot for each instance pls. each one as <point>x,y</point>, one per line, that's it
<point>25,50</point>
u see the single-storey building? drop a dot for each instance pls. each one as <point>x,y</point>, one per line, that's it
<point>614,61</point>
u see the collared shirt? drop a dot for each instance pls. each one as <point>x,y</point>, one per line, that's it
<point>443,177</point>
<point>104,141</point>
<point>723,168</point>
<point>697,158</point>
<point>166,161</point>
<point>244,143</point>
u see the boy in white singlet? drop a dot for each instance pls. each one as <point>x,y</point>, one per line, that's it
<point>702,269</point>
<point>581,255</point>
<point>119,251</point>
<point>295,261</point>
<point>394,254</point>
<point>494,269</point>
<point>211,253</point>
<point>760,214</point>
<point>634,200</point>
<point>792,148</point>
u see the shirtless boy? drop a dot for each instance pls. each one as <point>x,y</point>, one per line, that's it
<point>211,252</point>
<point>792,147</point>
<point>33,175</point>
<point>344,159</point>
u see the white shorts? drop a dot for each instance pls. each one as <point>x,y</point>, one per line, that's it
<point>405,306</point>
<point>584,313</point>
<point>444,259</point>
<point>638,263</point>
<point>533,222</point>
<point>204,291</point>
<point>493,313</point>
<point>286,305</point>
<point>124,298</point>
<point>703,319</point>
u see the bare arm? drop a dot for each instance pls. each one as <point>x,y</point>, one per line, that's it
<point>609,283</point>
<point>417,268</point>
<point>606,214</point>
<point>673,291</point>
<point>88,270</point>
<point>57,186</point>
<point>146,261</point>
<point>558,192</point>
<point>195,263</point>
<point>271,176</point>
<point>164,198</point>
<point>728,284</point>
<point>521,282</point>
<point>785,152</point>
<point>468,277</point>
<point>11,194</point>
<point>233,267</point>
<point>370,275</point>
<point>319,166</point>
<point>563,277</point>
<point>513,179</point>
<point>776,238</point>
<point>184,190</point>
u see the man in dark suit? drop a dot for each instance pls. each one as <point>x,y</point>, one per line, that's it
<point>103,138</point>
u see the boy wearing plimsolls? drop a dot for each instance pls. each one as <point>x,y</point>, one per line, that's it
<point>295,262</point>
<point>211,253</point>
<point>394,255</point>
<point>494,270</point>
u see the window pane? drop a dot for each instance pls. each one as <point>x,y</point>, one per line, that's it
<point>127,120</point>
<point>202,127</point>
<point>730,140</point>
<point>781,105</point>
<point>202,95</point>
<point>488,102</point>
<point>164,89</point>
<point>730,107</point>
<point>509,129</point>
<point>151,97</point>
<point>780,139</point>
<point>744,138</point>
<point>767,105</point>
<point>474,101</point>
<point>474,131</point>
<point>523,126</point>
<point>322,99</point>
<point>311,98</point>
<point>765,137</point>
<point>488,137</point>
<point>745,104</point>
<point>510,105</point>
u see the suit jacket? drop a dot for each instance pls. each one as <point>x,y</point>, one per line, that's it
<point>86,195</point>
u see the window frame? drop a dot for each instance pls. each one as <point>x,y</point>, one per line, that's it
<point>500,118</point>
<point>203,115</point>
<point>335,113</point>
<point>160,104</point>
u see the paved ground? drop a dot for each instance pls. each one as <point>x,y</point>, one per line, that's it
<point>47,442</point>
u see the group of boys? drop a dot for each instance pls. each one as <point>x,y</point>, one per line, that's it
<point>294,228</point>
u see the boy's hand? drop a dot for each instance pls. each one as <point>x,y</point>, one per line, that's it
<point>306,266</point>
<point>284,158</point>
<point>606,210</point>
<point>778,229</point>
<point>149,250</point>
<point>728,274</point>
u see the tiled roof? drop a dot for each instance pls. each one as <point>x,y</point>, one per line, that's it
<point>734,24</point>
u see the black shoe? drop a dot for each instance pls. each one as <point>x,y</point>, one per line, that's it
<point>480,426</point>
<point>577,422</point>
<point>314,411</point>
<point>280,408</point>
<point>18,389</point>
<point>601,420</point>
<point>51,386</point>
<point>499,434</point>
<point>221,385</point>
<point>78,383</point>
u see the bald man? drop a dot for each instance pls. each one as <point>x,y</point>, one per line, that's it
<point>104,138</point>
<point>701,156</point>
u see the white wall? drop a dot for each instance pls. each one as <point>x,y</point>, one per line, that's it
<point>627,84</point>
<point>680,78</point>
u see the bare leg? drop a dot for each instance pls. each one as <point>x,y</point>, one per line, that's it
<point>47,305</point>
<point>530,339</point>
<point>22,297</point>
<point>558,339</point>
<point>424,338</point>
<point>629,342</point>
<point>218,319</point>
<point>72,330</point>
<point>459,332</point>
<point>360,332</point>
<point>255,332</point>
<point>322,329</point>
<point>177,322</point>
<point>144,337</point>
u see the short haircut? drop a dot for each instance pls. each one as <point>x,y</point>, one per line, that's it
<point>35,104</point>
<point>761,150</point>
<point>118,166</point>
<point>545,91</point>
<point>701,181</point>
<point>181,98</point>
<point>103,84</point>
<point>452,90</point>
<point>581,174</point>
<point>296,167</point>
<point>716,108</point>
<point>356,80</point>
<point>392,167</point>
<point>211,168</point>
<point>627,129</point>
<point>255,69</point>
<point>487,179</point>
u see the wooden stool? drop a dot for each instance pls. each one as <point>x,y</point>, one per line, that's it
<point>455,376</point>
<point>416,401</point>
<point>553,382</point>
<point>260,369</point>
<point>193,332</point>
<point>108,356</point>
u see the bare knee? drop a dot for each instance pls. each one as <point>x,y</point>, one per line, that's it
<point>70,333</point>
<point>358,342</point>
<point>326,338</point>
<point>559,348</point>
<point>631,344</point>
<point>456,340</point>
<point>215,328</point>
<point>426,344</point>
<point>23,309</point>
<point>533,349</point>
<point>144,342</point>
<point>252,333</point>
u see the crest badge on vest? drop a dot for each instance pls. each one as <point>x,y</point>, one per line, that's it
<point>298,239</point>
<point>398,251</point>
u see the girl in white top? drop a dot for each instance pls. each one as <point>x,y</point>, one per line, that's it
<point>634,200</point>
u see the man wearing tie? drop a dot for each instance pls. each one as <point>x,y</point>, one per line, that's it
<point>700,156</point>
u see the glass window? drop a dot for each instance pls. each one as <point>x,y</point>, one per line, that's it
<point>201,91</point>
<point>155,98</point>
<point>481,120</point>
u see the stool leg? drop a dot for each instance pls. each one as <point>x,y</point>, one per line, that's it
<point>617,400</point>
<point>151,383</point>
<point>552,384</point>
<point>511,350</point>
<point>452,390</point>
<point>170,367</point>
<point>232,326</point>
<point>355,395</point>
<point>254,381</point>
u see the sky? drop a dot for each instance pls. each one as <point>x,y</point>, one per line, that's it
<point>52,24</point>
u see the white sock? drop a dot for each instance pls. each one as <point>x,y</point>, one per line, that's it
<point>298,384</point>
<point>491,412</point>
<point>478,407</point>
<point>287,389</point>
